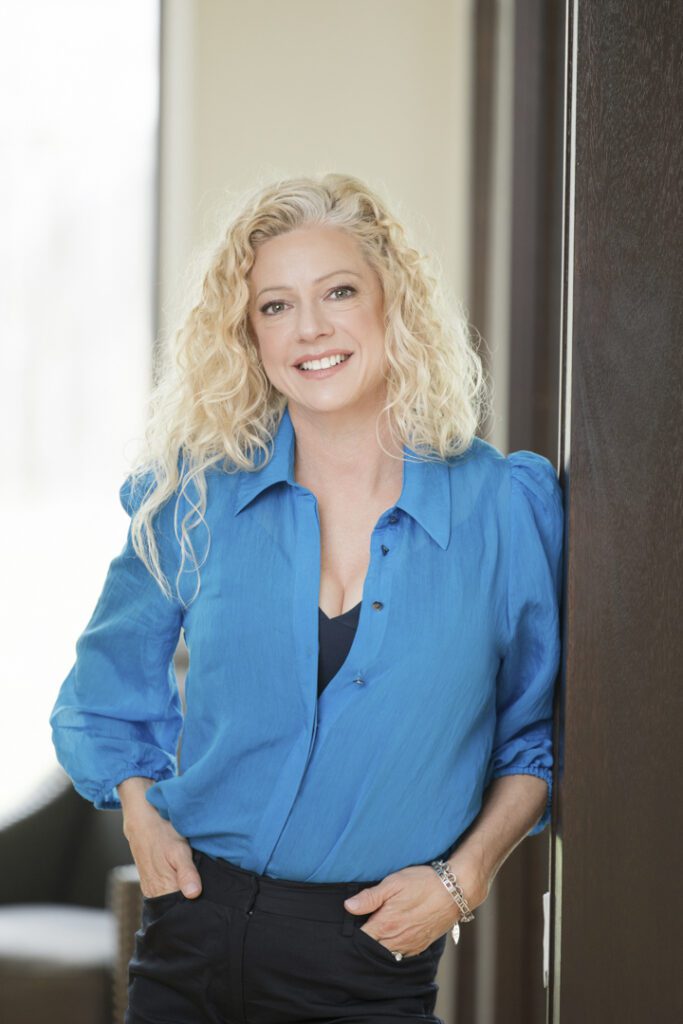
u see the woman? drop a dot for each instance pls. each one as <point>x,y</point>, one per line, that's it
<point>369,596</point>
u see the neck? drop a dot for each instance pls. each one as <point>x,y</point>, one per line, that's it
<point>341,449</point>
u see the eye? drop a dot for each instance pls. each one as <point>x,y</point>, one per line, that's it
<point>340,288</point>
<point>268,306</point>
<point>344,288</point>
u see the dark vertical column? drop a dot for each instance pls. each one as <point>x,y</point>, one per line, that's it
<point>534,389</point>
<point>484,24</point>
<point>513,971</point>
<point>536,238</point>
<point>616,954</point>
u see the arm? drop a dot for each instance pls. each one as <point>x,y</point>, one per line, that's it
<point>118,712</point>
<point>513,804</point>
<point>518,783</point>
<point>117,717</point>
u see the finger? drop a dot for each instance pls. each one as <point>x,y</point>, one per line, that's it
<point>154,885</point>
<point>365,901</point>
<point>189,880</point>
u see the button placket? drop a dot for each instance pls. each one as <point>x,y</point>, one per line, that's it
<point>369,634</point>
<point>377,605</point>
<point>392,518</point>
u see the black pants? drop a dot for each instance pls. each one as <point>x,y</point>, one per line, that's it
<point>258,950</point>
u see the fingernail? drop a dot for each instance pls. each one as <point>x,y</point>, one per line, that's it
<point>352,902</point>
<point>192,890</point>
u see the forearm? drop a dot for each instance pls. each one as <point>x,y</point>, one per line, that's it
<point>511,807</point>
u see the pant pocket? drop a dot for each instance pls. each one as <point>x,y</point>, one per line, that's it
<point>369,945</point>
<point>178,969</point>
<point>152,906</point>
<point>380,981</point>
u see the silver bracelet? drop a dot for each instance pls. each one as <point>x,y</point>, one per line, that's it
<point>443,870</point>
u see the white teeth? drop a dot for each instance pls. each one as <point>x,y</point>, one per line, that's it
<point>323,364</point>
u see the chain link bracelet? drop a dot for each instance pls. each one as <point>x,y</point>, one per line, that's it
<point>443,870</point>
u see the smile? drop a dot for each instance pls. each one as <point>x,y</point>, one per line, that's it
<point>323,367</point>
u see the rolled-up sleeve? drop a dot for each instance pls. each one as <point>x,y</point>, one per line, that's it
<point>118,712</point>
<point>529,668</point>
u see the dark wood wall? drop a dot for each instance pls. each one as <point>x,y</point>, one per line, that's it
<point>619,829</point>
<point>596,384</point>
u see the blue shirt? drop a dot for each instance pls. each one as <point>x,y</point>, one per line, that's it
<point>448,683</point>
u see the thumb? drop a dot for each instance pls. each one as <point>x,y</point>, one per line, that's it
<point>189,880</point>
<point>366,901</point>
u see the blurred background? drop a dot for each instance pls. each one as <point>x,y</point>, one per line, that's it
<point>127,131</point>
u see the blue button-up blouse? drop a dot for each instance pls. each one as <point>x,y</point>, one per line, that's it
<point>448,683</point>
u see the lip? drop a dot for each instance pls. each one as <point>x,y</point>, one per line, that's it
<point>321,355</point>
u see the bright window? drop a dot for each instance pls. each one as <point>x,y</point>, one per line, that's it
<point>78,169</point>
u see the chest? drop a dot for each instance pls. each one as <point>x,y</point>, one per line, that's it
<point>345,550</point>
<point>428,624</point>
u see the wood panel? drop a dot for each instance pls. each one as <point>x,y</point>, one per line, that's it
<point>617,954</point>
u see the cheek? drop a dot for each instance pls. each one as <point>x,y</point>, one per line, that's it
<point>266,346</point>
<point>270,365</point>
<point>253,336</point>
<point>376,344</point>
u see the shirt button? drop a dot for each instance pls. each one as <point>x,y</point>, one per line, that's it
<point>359,680</point>
<point>393,518</point>
<point>377,605</point>
<point>384,549</point>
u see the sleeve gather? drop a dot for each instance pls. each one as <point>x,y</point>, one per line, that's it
<point>528,670</point>
<point>118,712</point>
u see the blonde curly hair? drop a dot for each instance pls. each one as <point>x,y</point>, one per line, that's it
<point>212,402</point>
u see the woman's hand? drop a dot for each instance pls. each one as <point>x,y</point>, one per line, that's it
<point>412,908</point>
<point>163,857</point>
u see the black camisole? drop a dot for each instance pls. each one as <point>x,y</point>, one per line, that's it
<point>336,636</point>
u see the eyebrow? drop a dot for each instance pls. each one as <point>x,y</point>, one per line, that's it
<point>287,288</point>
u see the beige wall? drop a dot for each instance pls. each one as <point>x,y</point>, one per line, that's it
<point>263,89</point>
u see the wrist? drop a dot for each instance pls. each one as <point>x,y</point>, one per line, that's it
<point>134,804</point>
<point>471,876</point>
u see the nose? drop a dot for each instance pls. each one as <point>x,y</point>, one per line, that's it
<point>312,321</point>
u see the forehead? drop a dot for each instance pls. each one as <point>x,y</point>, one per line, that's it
<point>312,250</point>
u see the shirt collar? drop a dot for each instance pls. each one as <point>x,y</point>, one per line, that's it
<point>426,494</point>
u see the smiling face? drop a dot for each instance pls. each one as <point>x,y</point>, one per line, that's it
<point>312,295</point>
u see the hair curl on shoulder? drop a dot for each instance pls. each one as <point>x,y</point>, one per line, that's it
<point>212,402</point>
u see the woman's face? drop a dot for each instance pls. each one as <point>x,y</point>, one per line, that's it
<point>312,295</point>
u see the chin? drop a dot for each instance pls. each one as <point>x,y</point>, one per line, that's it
<point>322,406</point>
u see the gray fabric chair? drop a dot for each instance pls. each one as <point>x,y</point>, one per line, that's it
<point>58,933</point>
